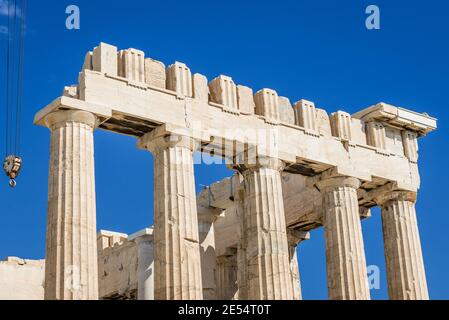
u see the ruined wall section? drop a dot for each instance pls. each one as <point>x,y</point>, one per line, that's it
<point>117,266</point>
<point>22,279</point>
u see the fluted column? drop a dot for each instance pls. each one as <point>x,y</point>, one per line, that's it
<point>265,235</point>
<point>345,254</point>
<point>404,260</point>
<point>145,263</point>
<point>294,239</point>
<point>227,288</point>
<point>177,262</point>
<point>71,266</point>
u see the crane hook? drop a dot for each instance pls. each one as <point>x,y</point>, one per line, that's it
<point>12,183</point>
<point>12,166</point>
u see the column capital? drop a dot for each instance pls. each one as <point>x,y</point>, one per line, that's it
<point>156,144</point>
<point>396,195</point>
<point>228,256</point>
<point>261,162</point>
<point>56,119</point>
<point>224,259</point>
<point>331,183</point>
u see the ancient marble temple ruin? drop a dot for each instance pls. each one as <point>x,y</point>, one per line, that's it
<point>297,168</point>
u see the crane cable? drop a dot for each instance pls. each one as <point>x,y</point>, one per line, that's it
<point>20,81</point>
<point>15,57</point>
<point>8,53</point>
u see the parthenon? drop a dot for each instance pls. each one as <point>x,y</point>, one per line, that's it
<point>297,168</point>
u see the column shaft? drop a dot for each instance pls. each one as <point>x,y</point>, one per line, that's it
<point>345,254</point>
<point>227,287</point>
<point>267,255</point>
<point>71,267</point>
<point>177,254</point>
<point>403,254</point>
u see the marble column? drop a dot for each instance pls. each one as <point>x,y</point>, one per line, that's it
<point>294,239</point>
<point>71,266</point>
<point>265,234</point>
<point>227,288</point>
<point>345,254</point>
<point>145,263</point>
<point>177,263</point>
<point>404,260</point>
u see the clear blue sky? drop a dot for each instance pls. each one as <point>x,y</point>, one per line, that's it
<point>318,50</point>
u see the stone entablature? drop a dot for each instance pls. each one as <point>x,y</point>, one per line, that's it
<point>222,113</point>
